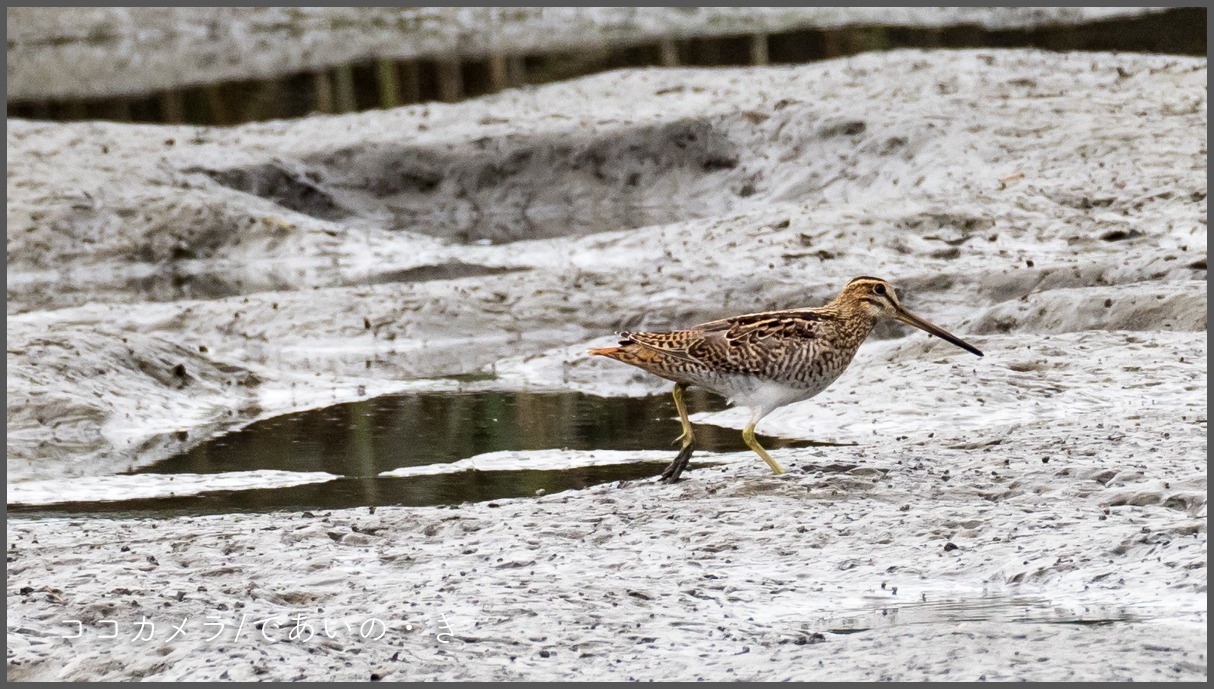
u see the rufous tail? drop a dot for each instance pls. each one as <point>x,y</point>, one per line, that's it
<point>632,353</point>
<point>612,352</point>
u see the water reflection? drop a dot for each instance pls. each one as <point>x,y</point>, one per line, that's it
<point>435,489</point>
<point>366,438</point>
<point>360,440</point>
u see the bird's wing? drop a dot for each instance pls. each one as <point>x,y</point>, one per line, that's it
<point>749,319</point>
<point>742,344</point>
<point>675,343</point>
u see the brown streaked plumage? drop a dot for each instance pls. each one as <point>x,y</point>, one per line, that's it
<point>769,359</point>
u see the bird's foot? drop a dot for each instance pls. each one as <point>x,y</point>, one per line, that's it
<point>678,466</point>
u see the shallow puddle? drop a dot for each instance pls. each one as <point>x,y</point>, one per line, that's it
<point>341,452</point>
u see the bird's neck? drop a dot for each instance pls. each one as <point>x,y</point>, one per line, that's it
<point>855,322</point>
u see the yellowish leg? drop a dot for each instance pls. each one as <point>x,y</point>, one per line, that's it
<point>688,437</point>
<point>748,435</point>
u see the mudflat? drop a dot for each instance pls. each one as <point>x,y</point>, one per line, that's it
<point>1037,514</point>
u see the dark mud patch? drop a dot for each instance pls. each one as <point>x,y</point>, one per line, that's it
<point>453,270</point>
<point>1006,608</point>
<point>508,188</point>
<point>299,190</point>
<point>503,189</point>
<point>204,280</point>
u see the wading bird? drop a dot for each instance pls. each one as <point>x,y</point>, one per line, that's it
<point>769,359</point>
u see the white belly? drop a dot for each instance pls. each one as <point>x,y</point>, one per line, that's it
<point>761,394</point>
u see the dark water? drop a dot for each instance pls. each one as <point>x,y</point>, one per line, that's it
<point>360,440</point>
<point>1176,31</point>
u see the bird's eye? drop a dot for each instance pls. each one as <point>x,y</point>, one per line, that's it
<point>879,289</point>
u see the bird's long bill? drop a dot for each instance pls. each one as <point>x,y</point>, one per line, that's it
<point>911,319</point>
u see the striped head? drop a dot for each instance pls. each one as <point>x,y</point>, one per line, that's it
<point>879,301</point>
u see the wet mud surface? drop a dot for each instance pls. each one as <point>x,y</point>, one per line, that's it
<point>1037,514</point>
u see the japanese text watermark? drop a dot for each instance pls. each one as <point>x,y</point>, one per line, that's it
<point>296,627</point>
